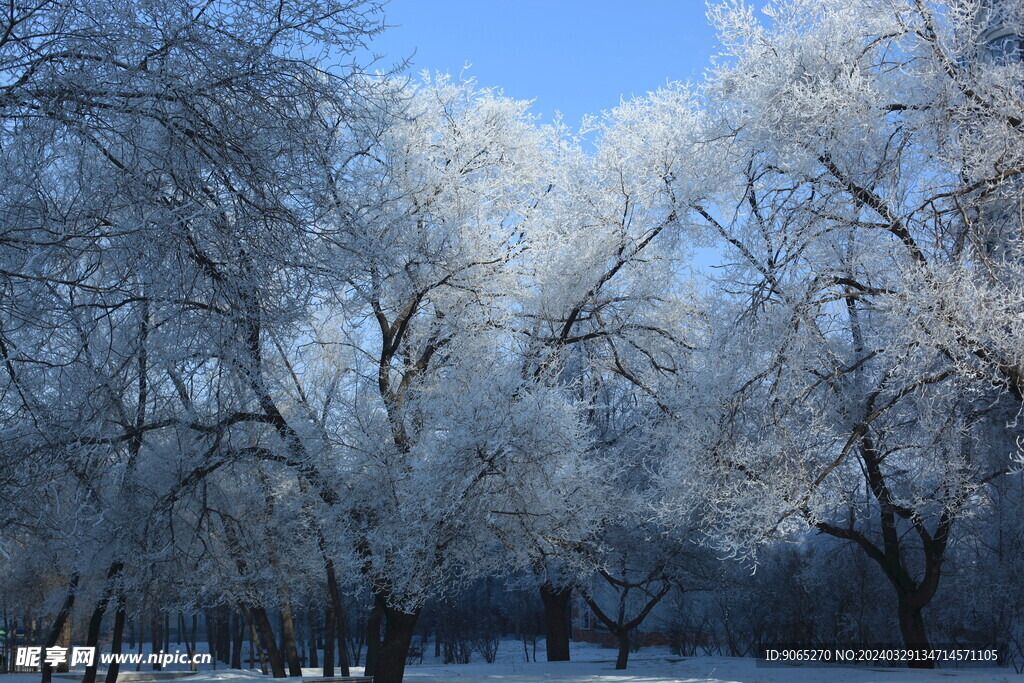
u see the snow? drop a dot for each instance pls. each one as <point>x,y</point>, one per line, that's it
<point>658,665</point>
<point>592,664</point>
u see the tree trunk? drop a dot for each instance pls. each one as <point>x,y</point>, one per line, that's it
<point>623,658</point>
<point>340,621</point>
<point>254,644</point>
<point>155,625</point>
<point>139,644</point>
<point>394,649</point>
<point>329,642</point>
<point>288,638</point>
<point>223,617</point>
<point>194,637</point>
<point>373,637</point>
<point>341,633</point>
<point>115,640</point>
<point>556,621</point>
<point>266,633</point>
<point>93,637</point>
<point>58,624</point>
<point>237,637</point>
<point>914,633</point>
<point>314,660</point>
<point>65,642</point>
<point>211,636</point>
<point>189,652</point>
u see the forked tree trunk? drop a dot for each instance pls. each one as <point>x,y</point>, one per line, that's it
<point>556,621</point>
<point>619,627</point>
<point>394,648</point>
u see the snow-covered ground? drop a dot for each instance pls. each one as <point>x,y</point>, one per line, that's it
<point>592,664</point>
<point>657,665</point>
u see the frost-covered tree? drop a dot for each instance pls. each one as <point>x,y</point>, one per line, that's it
<point>436,437</point>
<point>150,153</point>
<point>870,160</point>
<point>606,303</point>
<point>271,331</point>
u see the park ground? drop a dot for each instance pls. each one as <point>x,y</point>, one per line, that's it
<point>592,664</point>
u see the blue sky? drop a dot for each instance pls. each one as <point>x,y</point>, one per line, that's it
<point>576,56</point>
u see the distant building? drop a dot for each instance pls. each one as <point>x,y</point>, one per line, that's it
<point>1000,32</point>
<point>1000,41</point>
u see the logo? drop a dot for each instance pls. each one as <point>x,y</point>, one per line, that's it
<point>30,656</point>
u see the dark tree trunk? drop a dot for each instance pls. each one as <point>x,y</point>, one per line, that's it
<point>211,636</point>
<point>623,657</point>
<point>913,595</point>
<point>223,616</point>
<point>59,623</point>
<point>914,633</point>
<point>254,644</point>
<point>341,633</point>
<point>556,621</point>
<point>189,652</point>
<point>237,636</point>
<point>341,622</point>
<point>93,637</point>
<point>156,626</point>
<point>194,638</point>
<point>115,640</point>
<point>57,629</point>
<point>142,636</point>
<point>65,642</point>
<point>619,627</point>
<point>394,648</point>
<point>266,633</point>
<point>329,643</point>
<point>373,637</point>
<point>314,660</point>
<point>288,638</point>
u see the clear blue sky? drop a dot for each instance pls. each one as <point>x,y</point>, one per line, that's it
<point>575,56</point>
